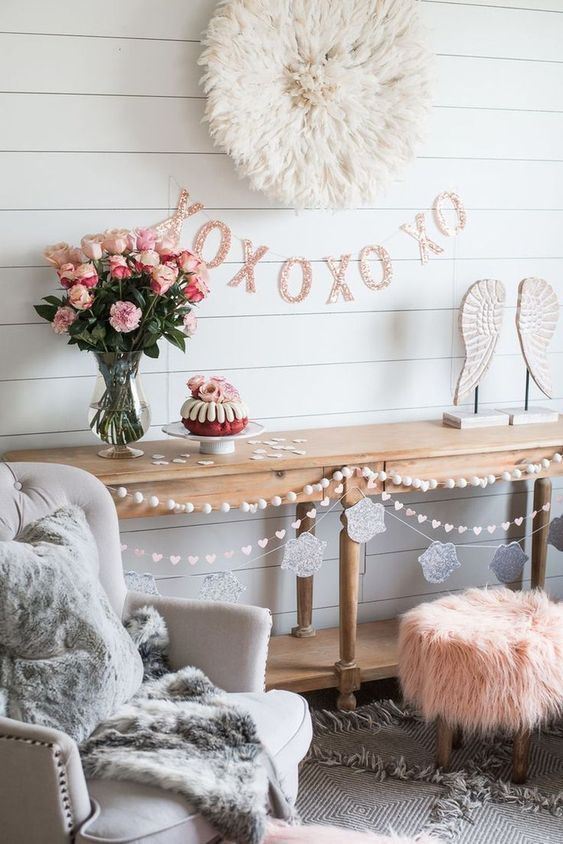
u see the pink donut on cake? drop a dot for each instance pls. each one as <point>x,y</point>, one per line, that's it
<point>215,408</point>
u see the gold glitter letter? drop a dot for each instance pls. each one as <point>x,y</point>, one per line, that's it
<point>305,283</point>
<point>386,264</point>
<point>224,245</point>
<point>339,285</point>
<point>459,208</point>
<point>419,233</point>
<point>250,261</point>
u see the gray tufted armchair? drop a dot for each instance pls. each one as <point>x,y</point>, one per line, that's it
<point>44,796</point>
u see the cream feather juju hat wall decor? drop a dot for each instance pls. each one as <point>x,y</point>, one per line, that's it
<point>320,104</point>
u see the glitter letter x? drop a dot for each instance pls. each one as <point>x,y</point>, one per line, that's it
<point>419,233</point>
<point>250,261</point>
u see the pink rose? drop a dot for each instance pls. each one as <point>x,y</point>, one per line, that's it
<point>63,318</point>
<point>147,260</point>
<point>80,297</point>
<point>119,267</point>
<point>212,390</point>
<point>196,289</point>
<point>124,316</point>
<point>86,274</point>
<point>66,275</point>
<point>116,241</point>
<point>145,239</point>
<point>165,248</point>
<point>190,324</point>
<point>189,263</point>
<point>230,393</point>
<point>61,253</point>
<point>195,383</point>
<point>92,246</point>
<point>162,278</point>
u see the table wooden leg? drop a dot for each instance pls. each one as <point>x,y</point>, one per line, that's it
<point>520,754</point>
<point>444,739</point>
<point>542,496</point>
<point>347,670</point>
<point>304,627</point>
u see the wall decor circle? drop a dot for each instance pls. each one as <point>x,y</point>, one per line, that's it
<point>320,104</point>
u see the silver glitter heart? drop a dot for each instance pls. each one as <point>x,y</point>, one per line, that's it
<point>221,586</point>
<point>136,582</point>
<point>365,520</point>
<point>508,562</point>
<point>555,535</point>
<point>439,561</point>
<point>303,555</point>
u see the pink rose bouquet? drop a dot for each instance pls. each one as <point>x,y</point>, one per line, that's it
<point>123,290</point>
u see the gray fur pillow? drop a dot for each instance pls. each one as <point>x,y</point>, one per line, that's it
<point>66,661</point>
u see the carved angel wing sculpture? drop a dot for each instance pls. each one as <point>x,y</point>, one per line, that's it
<point>480,322</point>
<point>536,319</point>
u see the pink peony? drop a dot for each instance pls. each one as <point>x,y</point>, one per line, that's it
<point>63,319</point>
<point>230,393</point>
<point>189,263</point>
<point>147,260</point>
<point>196,289</point>
<point>118,267</point>
<point>212,390</point>
<point>190,324</point>
<point>61,253</point>
<point>194,384</point>
<point>92,246</point>
<point>86,274</point>
<point>124,316</point>
<point>165,248</point>
<point>145,239</point>
<point>80,297</point>
<point>116,241</point>
<point>66,275</point>
<point>162,278</point>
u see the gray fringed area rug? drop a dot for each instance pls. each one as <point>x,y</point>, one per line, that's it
<point>373,770</point>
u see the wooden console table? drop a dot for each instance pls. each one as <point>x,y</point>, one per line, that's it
<point>307,660</point>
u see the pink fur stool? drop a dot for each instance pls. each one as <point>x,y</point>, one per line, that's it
<point>486,660</point>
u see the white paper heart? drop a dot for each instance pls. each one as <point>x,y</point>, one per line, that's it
<point>174,560</point>
<point>421,518</point>
<point>138,552</point>
<point>124,547</point>
<point>311,513</point>
<point>518,521</point>
<point>246,549</point>
<point>296,524</point>
<point>160,462</point>
<point>158,456</point>
<point>263,542</point>
<point>211,558</point>
<point>338,490</point>
<point>178,460</point>
<point>410,512</point>
<point>448,527</point>
<point>205,462</point>
<point>546,507</point>
<point>491,528</point>
<point>385,496</point>
<point>229,554</point>
<point>461,529</point>
<point>477,530</point>
<point>399,505</point>
<point>297,451</point>
<point>436,523</point>
<point>533,514</point>
<point>259,451</point>
<point>280,534</point>
<point>192,560</point>
<point>156,558</point>
<point>257,457</point>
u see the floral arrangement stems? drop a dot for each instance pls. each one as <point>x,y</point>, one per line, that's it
<point>122,292</point>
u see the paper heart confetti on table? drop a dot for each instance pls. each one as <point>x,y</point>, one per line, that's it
<point>508,562</point>
<point>365,520</point>
<point>221,586</point>
<point>439,561</point>
<point>304,555</point>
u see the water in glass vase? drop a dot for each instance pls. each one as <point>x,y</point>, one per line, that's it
<point>119,413</point>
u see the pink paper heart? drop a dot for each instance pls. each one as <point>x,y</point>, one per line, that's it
<point>421,518</point>
<point>156,558</point>
<point>533,514</point>
<point>262,543</point>
<point>192,560</point>
<point>229,554</point>
<point>138,552</point>
<point>448,527</point>
<point>296,524</point>
<point>124,547</point>
<point>280,534</point>
<point>491,528</point>
<point>436,523</point>
<point>477,530</point>
<point>546,507</point>
<point>399,505</point>
<point>338,490</point>
<point>385,496</point>
<point>461,529</point>
<point>505,525</point>
<point>174,560</point>
<point>246,549</point>
<point>519,520</point>
<point>211,558</point>
<point>410,512</point>
<point>311,513</point>
<point>372,483</point>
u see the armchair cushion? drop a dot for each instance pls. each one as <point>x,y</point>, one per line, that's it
<point>60,640</point>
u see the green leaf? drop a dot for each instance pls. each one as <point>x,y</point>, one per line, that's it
<point>177,339</point>
<point>53,300</point>
<point>46,311</point>
<point>152,351</point>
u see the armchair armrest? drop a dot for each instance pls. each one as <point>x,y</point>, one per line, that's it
<point>227,641</point>
<point>43,794</point>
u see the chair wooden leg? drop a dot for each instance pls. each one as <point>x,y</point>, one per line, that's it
<point>520,754</point>
<point>444,736</point>
<point>457,738</point>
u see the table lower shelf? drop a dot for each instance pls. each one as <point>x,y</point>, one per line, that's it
<point>303,665</point>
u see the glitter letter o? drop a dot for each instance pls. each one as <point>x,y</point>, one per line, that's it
<point>305,283</point>
<point>224,245</point>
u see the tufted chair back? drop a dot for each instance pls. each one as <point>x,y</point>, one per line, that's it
<point>29,491</point>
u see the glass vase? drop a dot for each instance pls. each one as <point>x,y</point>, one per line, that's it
<point>119,413</point>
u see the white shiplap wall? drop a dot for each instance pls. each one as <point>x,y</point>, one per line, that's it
<point>100,114</point>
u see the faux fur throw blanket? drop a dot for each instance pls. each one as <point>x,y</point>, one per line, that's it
<point>180,733</point>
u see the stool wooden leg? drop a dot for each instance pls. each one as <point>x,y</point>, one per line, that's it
<point>520,754</point>
<point>444,736</point>
<point>457,738</point>
<point>542,496</point>
<point>304,627</point>
<point>347,671</point>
